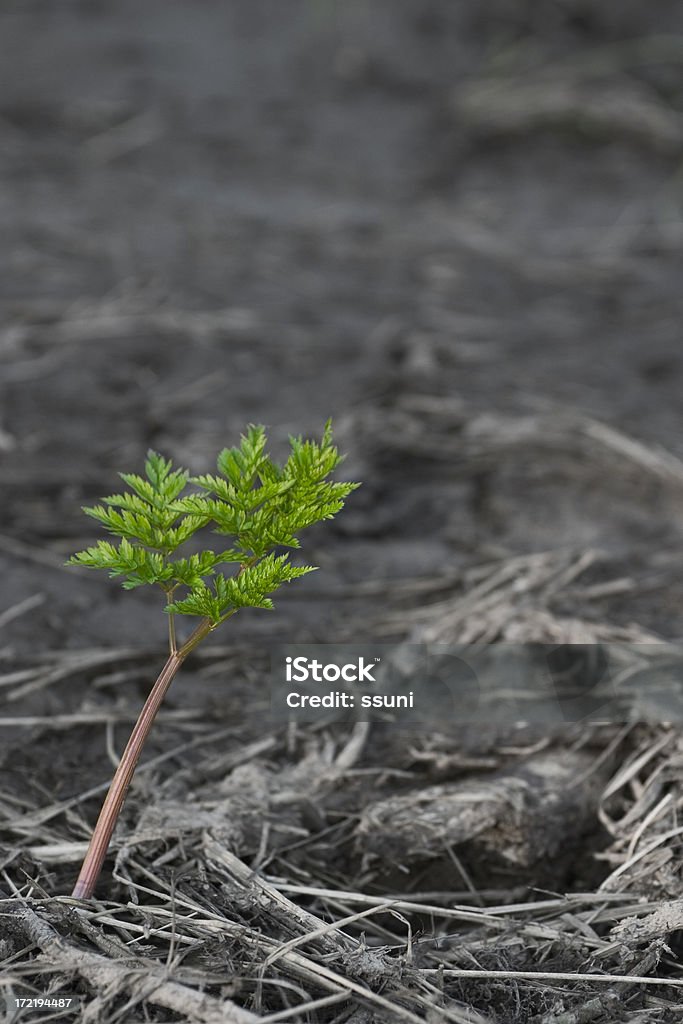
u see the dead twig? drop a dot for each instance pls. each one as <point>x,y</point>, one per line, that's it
<point>139,977</point>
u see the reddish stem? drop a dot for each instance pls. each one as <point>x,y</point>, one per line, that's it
<point>111,808</point>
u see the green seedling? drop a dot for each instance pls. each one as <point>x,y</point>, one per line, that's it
<point>257,507</point>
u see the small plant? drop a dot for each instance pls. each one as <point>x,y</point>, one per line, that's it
<point>258,507</point>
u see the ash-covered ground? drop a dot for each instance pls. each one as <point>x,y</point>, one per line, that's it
<point>456,229</point>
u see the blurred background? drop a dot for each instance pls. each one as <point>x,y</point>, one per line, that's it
<point>455,228</point>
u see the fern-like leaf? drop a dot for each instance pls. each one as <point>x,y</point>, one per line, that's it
<point>259,505</point>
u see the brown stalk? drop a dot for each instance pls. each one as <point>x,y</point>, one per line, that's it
<point>111,808</point>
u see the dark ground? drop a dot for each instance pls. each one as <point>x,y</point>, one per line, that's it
<point>457,229</point>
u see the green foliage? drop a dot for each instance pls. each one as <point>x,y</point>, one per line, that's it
<point>263,505</point>
<point>247,589</point>
<point>259,505</point>
<point>148,515</point>
<point>138,565</point>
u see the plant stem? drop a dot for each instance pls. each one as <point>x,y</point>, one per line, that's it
<point>173,646</point>
<point>111,808</point>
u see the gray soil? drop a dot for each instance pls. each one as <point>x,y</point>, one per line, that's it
<point>456,229</point>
